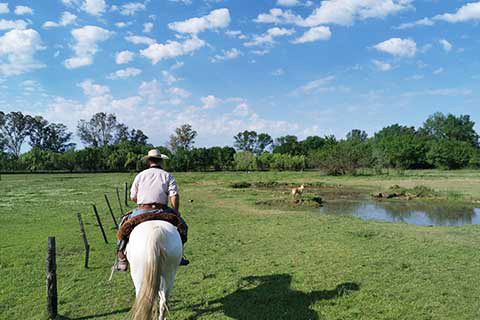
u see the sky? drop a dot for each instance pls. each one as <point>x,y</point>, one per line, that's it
<point>282,67</point>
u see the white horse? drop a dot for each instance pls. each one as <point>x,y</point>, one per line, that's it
<point>154,252</point>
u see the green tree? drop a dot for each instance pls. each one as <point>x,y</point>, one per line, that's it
<point>184,138</point>
<point>344,158</point>
<point>138,137</point>
<point>245,161</point>
<point>400,147</point>
<point>450,127</point>
<point>101,130</point>
<point>51,137</point>
<point>357,136</point>
<point>312,143</point>
<point>287,145</point>
<point>450,154</point>
<point>14,129</point>
<point>252,142</point>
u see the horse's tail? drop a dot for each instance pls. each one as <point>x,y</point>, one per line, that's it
<point>146,303</point>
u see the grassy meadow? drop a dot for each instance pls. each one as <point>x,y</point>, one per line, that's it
<point>247,261</point>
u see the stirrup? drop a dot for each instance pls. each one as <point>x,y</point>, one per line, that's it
<point>119,266</point>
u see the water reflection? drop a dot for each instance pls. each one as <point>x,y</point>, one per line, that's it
<point>424,214</point>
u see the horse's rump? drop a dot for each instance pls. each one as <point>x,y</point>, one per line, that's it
<point>154,251</point>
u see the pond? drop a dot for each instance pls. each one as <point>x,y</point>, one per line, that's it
<point>411,212</point>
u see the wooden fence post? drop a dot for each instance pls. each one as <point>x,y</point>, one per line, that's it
<point>119,202</point>
<point>52,299</point>
<point>111,212</point>
<point>126,194</point>
<point>100,223</point>
<point>85,241</point>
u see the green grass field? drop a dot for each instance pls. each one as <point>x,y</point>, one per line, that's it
<point>248,261</point>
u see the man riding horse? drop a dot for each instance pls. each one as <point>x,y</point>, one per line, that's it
<point>151,190</point>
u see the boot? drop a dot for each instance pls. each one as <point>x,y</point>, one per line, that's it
<point>184,261</point>
<point>121,264</point>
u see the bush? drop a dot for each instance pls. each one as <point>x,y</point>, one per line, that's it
<point>240,185</point>
<point>244,161</point>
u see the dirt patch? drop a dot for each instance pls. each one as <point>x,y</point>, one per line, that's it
<point>398,192</point>
<point>306,201</point>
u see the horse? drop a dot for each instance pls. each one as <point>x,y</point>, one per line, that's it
<point>154,252</point>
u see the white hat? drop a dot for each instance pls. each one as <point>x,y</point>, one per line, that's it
<point>154,153</point>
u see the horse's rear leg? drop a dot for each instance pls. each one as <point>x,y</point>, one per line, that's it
<point>164,293</point>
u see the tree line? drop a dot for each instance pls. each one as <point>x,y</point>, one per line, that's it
<point>443,141</point>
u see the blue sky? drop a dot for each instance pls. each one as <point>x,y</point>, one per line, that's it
<point>275,66</point>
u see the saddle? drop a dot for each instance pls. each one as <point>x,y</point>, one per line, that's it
<point>130,223</point>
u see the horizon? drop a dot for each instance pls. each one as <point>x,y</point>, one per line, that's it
<point>282,67</point>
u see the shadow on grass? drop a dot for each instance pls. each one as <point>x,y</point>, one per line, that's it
<point>100,315</point>
<point>270,297</point>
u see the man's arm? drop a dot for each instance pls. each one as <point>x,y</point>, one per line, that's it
<point>175,202</point>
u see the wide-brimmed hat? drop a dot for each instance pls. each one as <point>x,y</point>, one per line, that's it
<point>154,153</point>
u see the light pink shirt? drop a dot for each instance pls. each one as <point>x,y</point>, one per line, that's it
<point>153,185</point>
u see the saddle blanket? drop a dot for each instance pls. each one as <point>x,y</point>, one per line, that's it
<point>130,223</point>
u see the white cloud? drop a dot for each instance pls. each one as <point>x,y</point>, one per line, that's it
<point>421,22</point>
<point>319,85</point>
<point>17,50</point>
<point>169,78</point>
<point>123,24</point>
<point>210,102</point>
<point>179,92</point>
<point>71,2</point>
<point>227,55</point>
<point>177,65</point>
<point>124,57</point>
<point>131,8</point>
<point>382,66</point>
<point>438,71</point>
<point>440,92</point>
<point>13,24</point>
<point>157,51</point>
<point>21,10</point>
<point>4,8</point>
<point>345,12</point>
<point>151,90</point>
<point>314,34</point>
<point>182,1</point>
<point>447,46</point>
<point>86,45</point>
<point>124,73</point>
<point>341,12</point>
<point>66,19</point>
<point>278,16</point>
<point>91,89</point>
<point>147,27</point>
<point>416,77</point>
<point>50,24</point>
<point>94,7</point>
<point>140,40</point>
<point>287,3</point>
<point>236,34</point>
<point>279,72</point>
<point>219,18</point>
<point>398,47</point>
<point>267,37</point>
<point>260,52</point>
<point>468,12</point>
